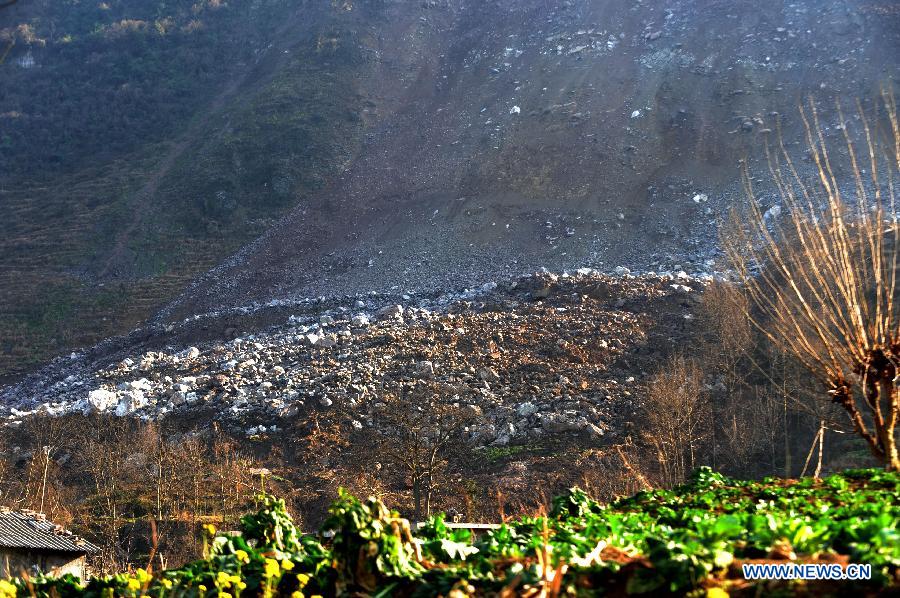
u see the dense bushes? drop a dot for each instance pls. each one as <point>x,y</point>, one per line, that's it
<point>110,77</point>
<point>689,540</point>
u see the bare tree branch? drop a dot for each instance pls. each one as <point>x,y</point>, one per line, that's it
<point>822,279</point>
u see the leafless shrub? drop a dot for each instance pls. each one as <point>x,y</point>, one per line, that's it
<point>419,434</point>
<point>676,418</point>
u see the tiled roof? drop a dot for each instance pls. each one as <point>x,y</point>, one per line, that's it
<point>27,529</point>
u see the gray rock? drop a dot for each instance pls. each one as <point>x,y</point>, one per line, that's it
<point>489,375</point>
<point>594,431</point>
<point>326,341</point>
<point>556,423</point>
<point>525,409</point>
<point>542,292</point>
<point>424,369</point>
<point>360,320</point>
<point>130,401</point>
<point>390,312</point>
<point>97,401</point>
<point>501,440</point>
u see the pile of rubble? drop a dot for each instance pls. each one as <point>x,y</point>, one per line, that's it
<point>545,354</point>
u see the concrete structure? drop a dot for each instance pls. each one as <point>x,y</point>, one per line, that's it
<point>29,543</point>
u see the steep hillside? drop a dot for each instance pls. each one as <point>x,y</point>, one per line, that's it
<point>140,142</point>
<point>370,144</point>
<point>562,134</point>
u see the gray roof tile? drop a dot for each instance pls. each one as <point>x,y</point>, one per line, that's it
<point>26,530</point>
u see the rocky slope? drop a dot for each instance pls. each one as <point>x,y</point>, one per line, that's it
<point>544,354</point>
<point>369,143</point>
<point>563,134</point>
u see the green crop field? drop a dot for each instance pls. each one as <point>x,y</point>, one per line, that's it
<point>691,540</point>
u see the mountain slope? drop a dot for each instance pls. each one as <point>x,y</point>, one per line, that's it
<point>560,134</point>
<point>370,144</point>
<point>141,142</point>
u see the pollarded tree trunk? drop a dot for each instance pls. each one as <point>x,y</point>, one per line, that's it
<point>879,375</point>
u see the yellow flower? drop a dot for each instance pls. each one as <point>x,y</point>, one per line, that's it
<point>166,583</point>
<point>716,593</point>
<point>210,529</point>
<point>201,589</point>
<point>287,565</point>
<point>272,569</point>
<point>297,595</point>
<point>302,579</point>
<point>133,584</point>
<point>241,555</point>
<point>7,590</point>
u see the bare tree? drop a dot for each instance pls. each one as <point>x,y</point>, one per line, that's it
<point>419,433</point>
<point>822,279</point>
<point>11,42</point>
<point>677,418</point>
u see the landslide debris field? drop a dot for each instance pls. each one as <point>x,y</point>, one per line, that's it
<point>543,356</point>
<point>508,136</point>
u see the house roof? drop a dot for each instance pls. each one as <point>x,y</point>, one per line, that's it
<point>30,530</point>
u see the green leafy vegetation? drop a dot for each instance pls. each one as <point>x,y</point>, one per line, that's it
<point>689,540</point>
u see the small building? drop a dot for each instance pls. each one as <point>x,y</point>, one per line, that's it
<point>29,543</point>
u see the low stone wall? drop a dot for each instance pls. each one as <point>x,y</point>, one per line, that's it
<point>14,562</point>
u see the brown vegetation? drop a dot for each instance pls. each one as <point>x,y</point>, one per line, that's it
<point>133,488</point>
<point>677,418</point>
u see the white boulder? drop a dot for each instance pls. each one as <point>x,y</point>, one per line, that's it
<point>97,401</point>
<point>130,401</point>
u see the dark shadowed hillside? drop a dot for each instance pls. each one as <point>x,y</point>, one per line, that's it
<point>140,142</point>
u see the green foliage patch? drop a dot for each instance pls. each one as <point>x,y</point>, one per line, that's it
<point>689,540</point>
